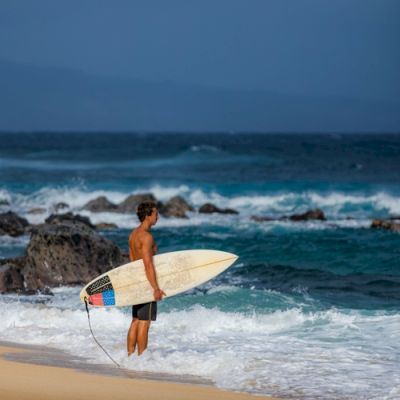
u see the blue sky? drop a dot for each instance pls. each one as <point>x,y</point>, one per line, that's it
<point>323,48</point>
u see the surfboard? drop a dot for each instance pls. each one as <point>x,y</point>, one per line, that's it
<point>176,271</point>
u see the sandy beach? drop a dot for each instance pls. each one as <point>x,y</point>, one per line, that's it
<point>38,373</point>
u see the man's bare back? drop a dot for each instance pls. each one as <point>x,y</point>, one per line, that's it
<point>136,239</point>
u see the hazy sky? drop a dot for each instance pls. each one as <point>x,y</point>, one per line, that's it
<point>322,47</point>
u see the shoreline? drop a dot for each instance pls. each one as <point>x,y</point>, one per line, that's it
<point>38,372</point>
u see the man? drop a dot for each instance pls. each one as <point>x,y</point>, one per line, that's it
<point>142,246</point>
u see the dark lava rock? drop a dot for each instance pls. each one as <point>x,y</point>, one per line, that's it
<point>316,214</point>
<point>129,205</point>
<point>69,218</point>
<point>37,210</point>
<point>261,218</point>
<point>209,208</point>
<point>4,202</point>
<point>11,278</point>
<point>12,224</point>
<point>176,207</point>
<point>100,204</point>
<point>388,225</point>
<point>106,225</point>
<point>65,254</point>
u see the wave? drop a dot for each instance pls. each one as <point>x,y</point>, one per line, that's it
<point>204,148</point>
<point>360,290</point>
<point>337,206</point>
<point>285,353</point>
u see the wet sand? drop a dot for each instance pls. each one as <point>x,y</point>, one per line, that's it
<point>37,372</point>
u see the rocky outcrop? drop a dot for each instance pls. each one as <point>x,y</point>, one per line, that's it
<point>69,218</point>
<point>129,205</point>
<point>11,278</point>
<point>209,208</point>
<point>386,224</point>
<point>37,210</point>
<point>106,225</point>
<point>100,204</point>
<point>262,218</point>
<point>176,207</point>
<point>315,214</point>
<point>65,254</point>
<point>4,202</point>
<point>12,224</point>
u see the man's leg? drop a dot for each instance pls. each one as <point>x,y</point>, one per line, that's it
<point>132,336</point>
<point>142,336</point>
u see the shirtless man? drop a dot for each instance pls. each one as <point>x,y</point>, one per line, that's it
<point>142,246</point>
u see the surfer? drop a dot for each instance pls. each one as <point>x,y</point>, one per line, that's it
<point>143,246</point>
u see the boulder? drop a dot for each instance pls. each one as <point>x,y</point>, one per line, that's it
<point>315,214</point>
<point>384,224</point>
<point>177,207</point>
<point>129,205</point>
<point>11,278</point>
<point>4,202</point>
<point>100,204</point>
<point>65,254</point>
<point>69,218</point>
<point>262,218</point>
<point>12,224</point>
<point>106,225</point>
<point>37,210</point>
<point>209,208</point>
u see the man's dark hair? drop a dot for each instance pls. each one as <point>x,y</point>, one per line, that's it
<point>145,209</point>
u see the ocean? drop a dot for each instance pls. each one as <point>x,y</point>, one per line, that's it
<point>311,310</point>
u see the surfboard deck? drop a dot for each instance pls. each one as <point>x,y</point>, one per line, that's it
<point>176,271</point>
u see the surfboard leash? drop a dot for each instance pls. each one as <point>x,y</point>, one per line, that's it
<point>94,337</point>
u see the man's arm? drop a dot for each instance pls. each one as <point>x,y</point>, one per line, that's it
<point>147,255</point>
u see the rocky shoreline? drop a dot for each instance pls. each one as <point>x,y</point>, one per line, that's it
<point>62,251</point>
<point>67,250</point>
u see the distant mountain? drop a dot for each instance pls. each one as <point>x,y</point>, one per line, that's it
<point>34,98</point>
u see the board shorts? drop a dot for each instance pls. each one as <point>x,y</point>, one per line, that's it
<point>145,311</point>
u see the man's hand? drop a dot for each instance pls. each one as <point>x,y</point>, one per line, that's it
<point>158,294</point>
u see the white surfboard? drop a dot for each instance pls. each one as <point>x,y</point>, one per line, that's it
<point>177,272</point>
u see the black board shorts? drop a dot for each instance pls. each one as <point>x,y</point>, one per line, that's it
<point>145,311</point>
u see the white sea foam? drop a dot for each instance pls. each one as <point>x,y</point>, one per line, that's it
<point>5,195</point>
<point>337,206</point>
<point>18,241</point>
<point>287,353</point>
<point>205,148</point>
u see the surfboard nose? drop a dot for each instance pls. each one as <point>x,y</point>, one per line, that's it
<point>227,255</point>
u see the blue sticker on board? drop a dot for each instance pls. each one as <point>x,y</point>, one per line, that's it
<point>109,298</point>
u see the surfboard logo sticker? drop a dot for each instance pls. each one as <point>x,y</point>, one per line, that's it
<point>101,285</point>
<point>106,298</point>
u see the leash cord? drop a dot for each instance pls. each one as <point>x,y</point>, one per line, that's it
<point>94,337</point>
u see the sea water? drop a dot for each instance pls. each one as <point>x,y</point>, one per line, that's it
<point>311,310</point>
